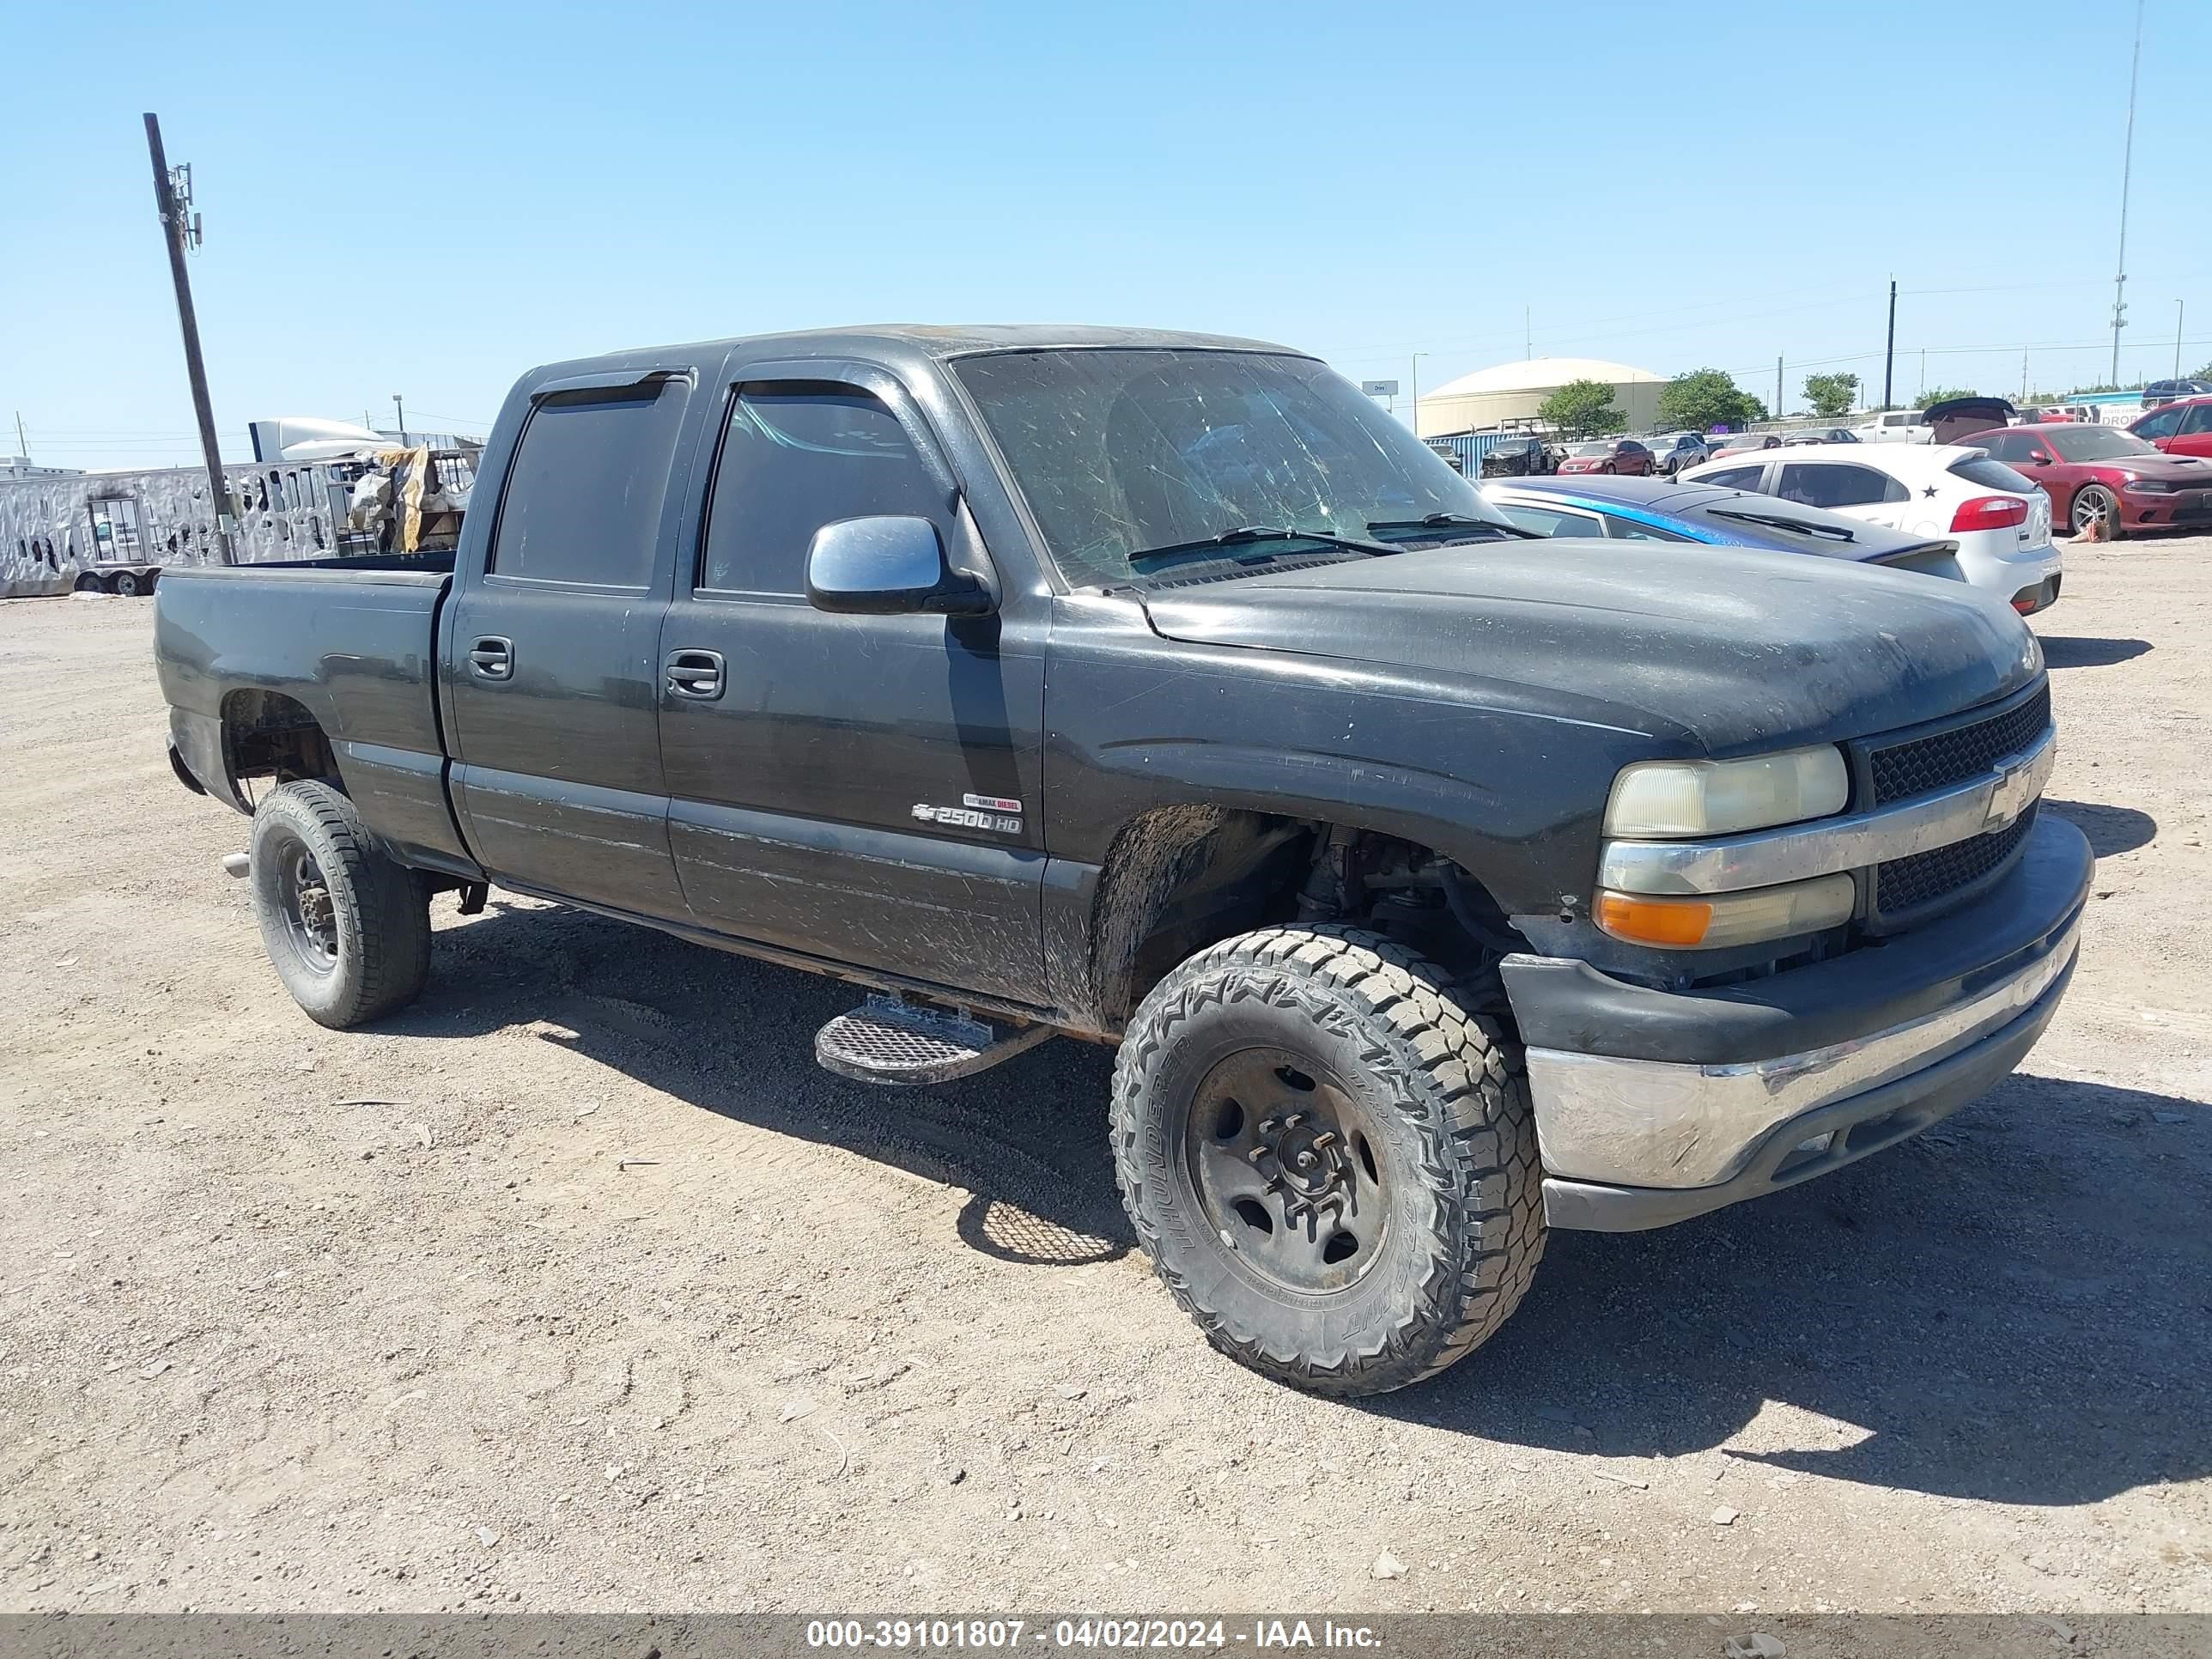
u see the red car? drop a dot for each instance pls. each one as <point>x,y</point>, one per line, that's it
<point>2181,428</point>
<point>1741,443</point>
<point>2100,474</point>
<point>1623,456</point>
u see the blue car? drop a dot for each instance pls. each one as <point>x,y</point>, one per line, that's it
<point>1660,510</point>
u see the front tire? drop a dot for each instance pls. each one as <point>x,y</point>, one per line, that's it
<point>2094,504</point>
<point>347,929</point>
<point>1332,1164</point>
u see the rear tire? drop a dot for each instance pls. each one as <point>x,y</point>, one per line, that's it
<point>126,584</point>
<point>1332,1164</point>
<point>347,929</point>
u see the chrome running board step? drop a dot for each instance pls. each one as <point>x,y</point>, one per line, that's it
<point>889,1040</point>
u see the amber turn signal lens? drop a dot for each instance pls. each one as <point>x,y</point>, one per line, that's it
<point>1654,921</point>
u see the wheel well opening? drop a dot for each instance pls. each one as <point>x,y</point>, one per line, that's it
<point>266,734</point>
<point>1181,879</point>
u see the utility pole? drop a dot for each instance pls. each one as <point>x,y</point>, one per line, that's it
<point>1527,332</point>
<point>2178,307</point>
<point>1415,398</point>
<point>2127,166</point>
<point>178,230</point>
<point>400,408</point>
<point>23,444</point>
<point>1889,351</point>
<point>2023,374</point>
<point>1778,388</point>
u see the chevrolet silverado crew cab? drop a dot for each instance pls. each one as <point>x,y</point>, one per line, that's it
<point>1440,885</point>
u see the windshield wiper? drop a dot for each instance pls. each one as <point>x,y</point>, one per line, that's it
<point>1243,535</point>
<point>1450,521</point>
<point>1783,521</point>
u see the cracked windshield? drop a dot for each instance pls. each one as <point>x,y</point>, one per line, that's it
<point>1140,463</point>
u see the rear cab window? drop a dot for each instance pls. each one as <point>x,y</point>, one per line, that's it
<point>582,501</point>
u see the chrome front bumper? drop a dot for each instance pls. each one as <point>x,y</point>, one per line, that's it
<point>1655,1105</point>
<point>1656,1123</point>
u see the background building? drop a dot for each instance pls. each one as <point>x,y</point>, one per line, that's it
<point>1513,391</point>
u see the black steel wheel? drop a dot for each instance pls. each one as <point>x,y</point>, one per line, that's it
<point>126,584</point>
<point>1332,1164</point>
<point>347,929</point>
<point>1283,1161</point>
<point>303,896</point>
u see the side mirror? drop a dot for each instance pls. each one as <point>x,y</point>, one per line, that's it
<point>888,567</point>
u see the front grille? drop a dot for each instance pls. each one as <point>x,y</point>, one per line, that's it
<point>1943,758</point>
<point>1903,885</point>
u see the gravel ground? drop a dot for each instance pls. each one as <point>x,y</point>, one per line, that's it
<point>578,1286</point>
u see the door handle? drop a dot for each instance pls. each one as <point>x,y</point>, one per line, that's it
<point>492,658</point>
<point>697,674</point>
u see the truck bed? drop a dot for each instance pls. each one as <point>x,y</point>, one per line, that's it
<point>349,643</point>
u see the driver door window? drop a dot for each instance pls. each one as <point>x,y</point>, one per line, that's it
<point>806,789</point>
<point>2166,422</point>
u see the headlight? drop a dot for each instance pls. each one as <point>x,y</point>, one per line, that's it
<point>1662,798</point>
<point>1723,919</point>
<point>2149,487</point>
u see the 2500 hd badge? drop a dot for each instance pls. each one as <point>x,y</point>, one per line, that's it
<point>992,813</point>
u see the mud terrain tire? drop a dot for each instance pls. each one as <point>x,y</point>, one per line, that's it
<point>1303,1066</point>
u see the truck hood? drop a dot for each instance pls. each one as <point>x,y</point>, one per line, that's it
<point>1731,649</point>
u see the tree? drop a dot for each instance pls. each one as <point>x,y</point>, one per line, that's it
<point>1831,395</point>
<point>1706,397</point>
<point>2203,374</point>
<point>1940,394</point>
<point>1582,408</point>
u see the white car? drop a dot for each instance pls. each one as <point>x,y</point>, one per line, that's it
<point>2000,520</point>
<point>1894,426</point>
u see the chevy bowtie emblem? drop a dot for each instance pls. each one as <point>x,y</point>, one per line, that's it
<point>2009,798</point>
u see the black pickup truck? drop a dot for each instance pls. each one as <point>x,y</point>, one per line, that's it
<point>1440,885</point>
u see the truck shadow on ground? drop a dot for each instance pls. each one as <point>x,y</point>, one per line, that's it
<point>2108,830</point>
<point>1026,1139</point>
<point>1994,1310</point>
<point>2080,651</point>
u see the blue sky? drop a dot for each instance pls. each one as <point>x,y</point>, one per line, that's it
<point>428,199</point>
